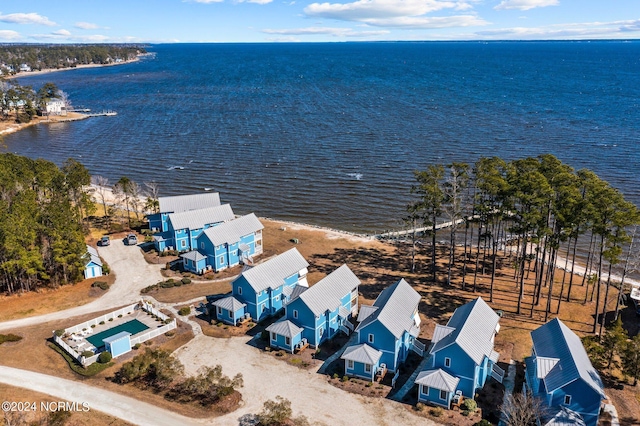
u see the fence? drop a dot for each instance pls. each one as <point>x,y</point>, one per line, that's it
<point>154,333</point>
<point>103,318</point>
<point>153,311</point>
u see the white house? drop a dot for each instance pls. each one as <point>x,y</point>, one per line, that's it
<point>55,107</point>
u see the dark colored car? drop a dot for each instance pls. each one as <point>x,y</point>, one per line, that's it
<point>105,241</point>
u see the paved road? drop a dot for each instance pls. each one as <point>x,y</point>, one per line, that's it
<point>133,273</point>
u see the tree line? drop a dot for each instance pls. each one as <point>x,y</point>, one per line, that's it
<point>41,229</point>
<point>56,56</point>
<point>534,206</point>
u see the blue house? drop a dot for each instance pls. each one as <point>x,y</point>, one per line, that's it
<point>229,310</point>
<point>318,313</point>
<point>184,228</point>
<point>179,204</point>
<point>265,287</point>
<point>560,374</point>
<point>463,351</point>
<point>386,333</point>
<point>93,265</point>
<point>225,244</point>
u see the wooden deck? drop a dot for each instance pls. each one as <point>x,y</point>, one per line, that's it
<point>301,348</point>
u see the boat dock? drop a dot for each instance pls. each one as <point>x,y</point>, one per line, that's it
<point>103,114</point>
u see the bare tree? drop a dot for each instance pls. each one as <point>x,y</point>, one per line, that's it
<point>102,189</point>
<point>64,97</point>
<point>135,198</point>
<point>152,192</point>
<point>522,410</point>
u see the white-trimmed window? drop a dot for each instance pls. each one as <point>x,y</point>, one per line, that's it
<point>350,364</point>
<point>425,390</point>
<point>183,243</point>
<point>287,341</point>
<point>367,368</point>
<point>443,395</point>
<point>447,362</point>
<point>370,338</point>
<point>222,260</point>
<point>202,245</point>
<point>320,331</point>
<point>295,313</point>
<point>239,290</point>
<point>273,336</point>
<point>219,310</point>
<point>567,400</point>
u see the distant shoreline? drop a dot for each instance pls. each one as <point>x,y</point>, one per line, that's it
<point>7,127</point>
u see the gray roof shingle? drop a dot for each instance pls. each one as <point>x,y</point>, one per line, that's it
<point>183,203</point>
<point>362,353</point>
<point>397,306</point>
<point>554,340</point>
<point>195,219</point>
<point>271,273</point>
<point>231,232</point>
<point>438,379</point>
<point>284,328</point>
<point>325,295</point>
<point>474,326</point>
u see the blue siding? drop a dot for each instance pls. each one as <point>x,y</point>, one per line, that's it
<point>358,370</point>
<point>227,316</point>
<point>119,347</point>
<point>155,222</point>
<point>241,290</point>
<point>281,342</point>
<point>92,270</point>
<point>432,395</point>
<point>383,341</point>
<point>461,366</point>
<point>584,400</point>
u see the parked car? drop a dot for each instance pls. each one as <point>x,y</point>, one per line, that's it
<point>104,241</point>
<point>131,240</point>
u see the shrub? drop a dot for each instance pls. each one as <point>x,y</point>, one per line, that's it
<point>469,405</point>
<point>335,375</point>
<point>87,354</point>
<point>110,319</point>
<point>149,288</point>
<point>10,338</point>
<point>168,320</point>
<point>420,406</point>
<point>345,378</point>
<point>465,412</point>
<point>177,284</point>
<point>101,322</point>
<point>280,353</point>
<point>184,311</point>
<point>185,281</point>
<point>120,316</point>
<point>101,284</point>
<point>93,326</point>
<point>104,357</point>
<point>369,384</point>
<point>483,422</point>
<point>436,411</point>
<point>170,333</point>
<point>59,332</point>
<point>275,412</point>
<point>137,346</point>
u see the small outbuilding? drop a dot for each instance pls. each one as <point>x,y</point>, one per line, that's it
<point>229,310</point>
<point>93,267</point>
<point>118,344</point>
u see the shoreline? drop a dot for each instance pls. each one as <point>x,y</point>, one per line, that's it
<point>12,127</point>
<point>82,66</point>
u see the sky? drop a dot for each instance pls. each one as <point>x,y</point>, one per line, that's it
<point>189,21</point>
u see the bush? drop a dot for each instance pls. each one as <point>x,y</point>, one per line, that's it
<point>483,422</point>
<point>93,326</point>
<point>420,406</point>
<point>149,289</point>
<point>120,316</point>
<point>110,319</point>
<point>177,284</point>
<point>104,357</point>
<point>184,311</point>
<point>345,378</point>
<point>10,338</point>
<point>101,322</point>
<point>469,405</point>
<point>170,333</point>
<point>369,384</point>
<point>137,346</point>
<point>436,411</point>
<point>275,412</point>
<point>87,354</point>
<point>168,320</point>
<point>185,281</point>
<point>100,284</point>
<point>59,332</point>
<point>335,375</point>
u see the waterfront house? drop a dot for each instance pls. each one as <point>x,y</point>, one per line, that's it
<point>55,106</point>
<point>93,265</point>
<point>184,228</point>
<point>461,355</point>
<point>560,374</point>
<point>25,68</point>
<point>316,314</point>
<point>178,204</point>
<point>387,332</point>
<point>265,287</point>
<point>230,243</point>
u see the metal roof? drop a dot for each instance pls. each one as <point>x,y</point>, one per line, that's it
<point>271,273</point>
<point>556,340</point>
<point>195,219</point>
<point>440,332</point>
<point>362,353</point>
<point>194,255</point>
<point>474,325</point>
<point>231,232</point>
<point>229,303</point>
<point>115,337</point>
<point>284,328</point>
<point>562,416</point>
<point>325,295</point>
<point>343,312</point>
<point>183,203</point>
<point>93,256</point>
<point>544,365</point>
<point>397,306</point>
<point>438,379</point>
<point>365,311</point>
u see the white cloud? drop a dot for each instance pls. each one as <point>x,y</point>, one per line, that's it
<point>26,18</point>
<point>9,35</point>
<point>206,1</point>
<point>255,1</point>
<point>61,33</point>
<point>86,26</point>
<point>336,32</point>
<point>525,4</point>
<point>428,22</point>
<point>572,31</point>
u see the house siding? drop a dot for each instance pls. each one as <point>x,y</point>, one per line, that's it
<point>280,342</point>
<point>384,341</point>
<point>462,366</point>
<point>584,400</point>
<point>119,347</point>
<point>432,395</point>
<point>358,370</point>
<point>229,317</point>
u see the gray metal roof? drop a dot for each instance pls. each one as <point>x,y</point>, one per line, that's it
<point>93,256</point>
<point>397,306</point>
<point>115,337</point>
<point>229,303</point>
<point>440,332</point>
<point>194,255</point>
<point>365,311</point>
<point>271,273</point>
<point>284,328</point>
<point>195,219</point>
<point>362,353</point>
<point>183,203</point>
<point>325,295</point>
<point>343,312</point>
<point>562,416</point>
<point>474,325</point>
<point>438,379</point>
<point>231,232</point>
<point>556,340</point>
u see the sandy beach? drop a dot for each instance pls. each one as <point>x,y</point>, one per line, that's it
<point>78,67</point>
<point>7,127</point>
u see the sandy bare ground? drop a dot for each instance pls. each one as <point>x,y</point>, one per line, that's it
<point>309,393</point>
<point>133,273</point>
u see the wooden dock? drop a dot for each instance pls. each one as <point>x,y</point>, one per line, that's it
<point>103,114</point>
<point>439,226</point>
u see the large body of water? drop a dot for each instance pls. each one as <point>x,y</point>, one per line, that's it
<point>330,134</point>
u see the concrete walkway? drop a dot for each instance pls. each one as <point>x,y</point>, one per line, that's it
<point>410,382</point>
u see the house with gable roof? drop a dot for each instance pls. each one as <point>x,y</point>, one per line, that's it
<point>387,332</point>
<point>93,264</point>
<point>179,204</point>
<point>461,355</point>
<point>184,228</point>
<point>225,245</point>
<point>316,314</point>
<point>560,373</point>
<point>265,287</point>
